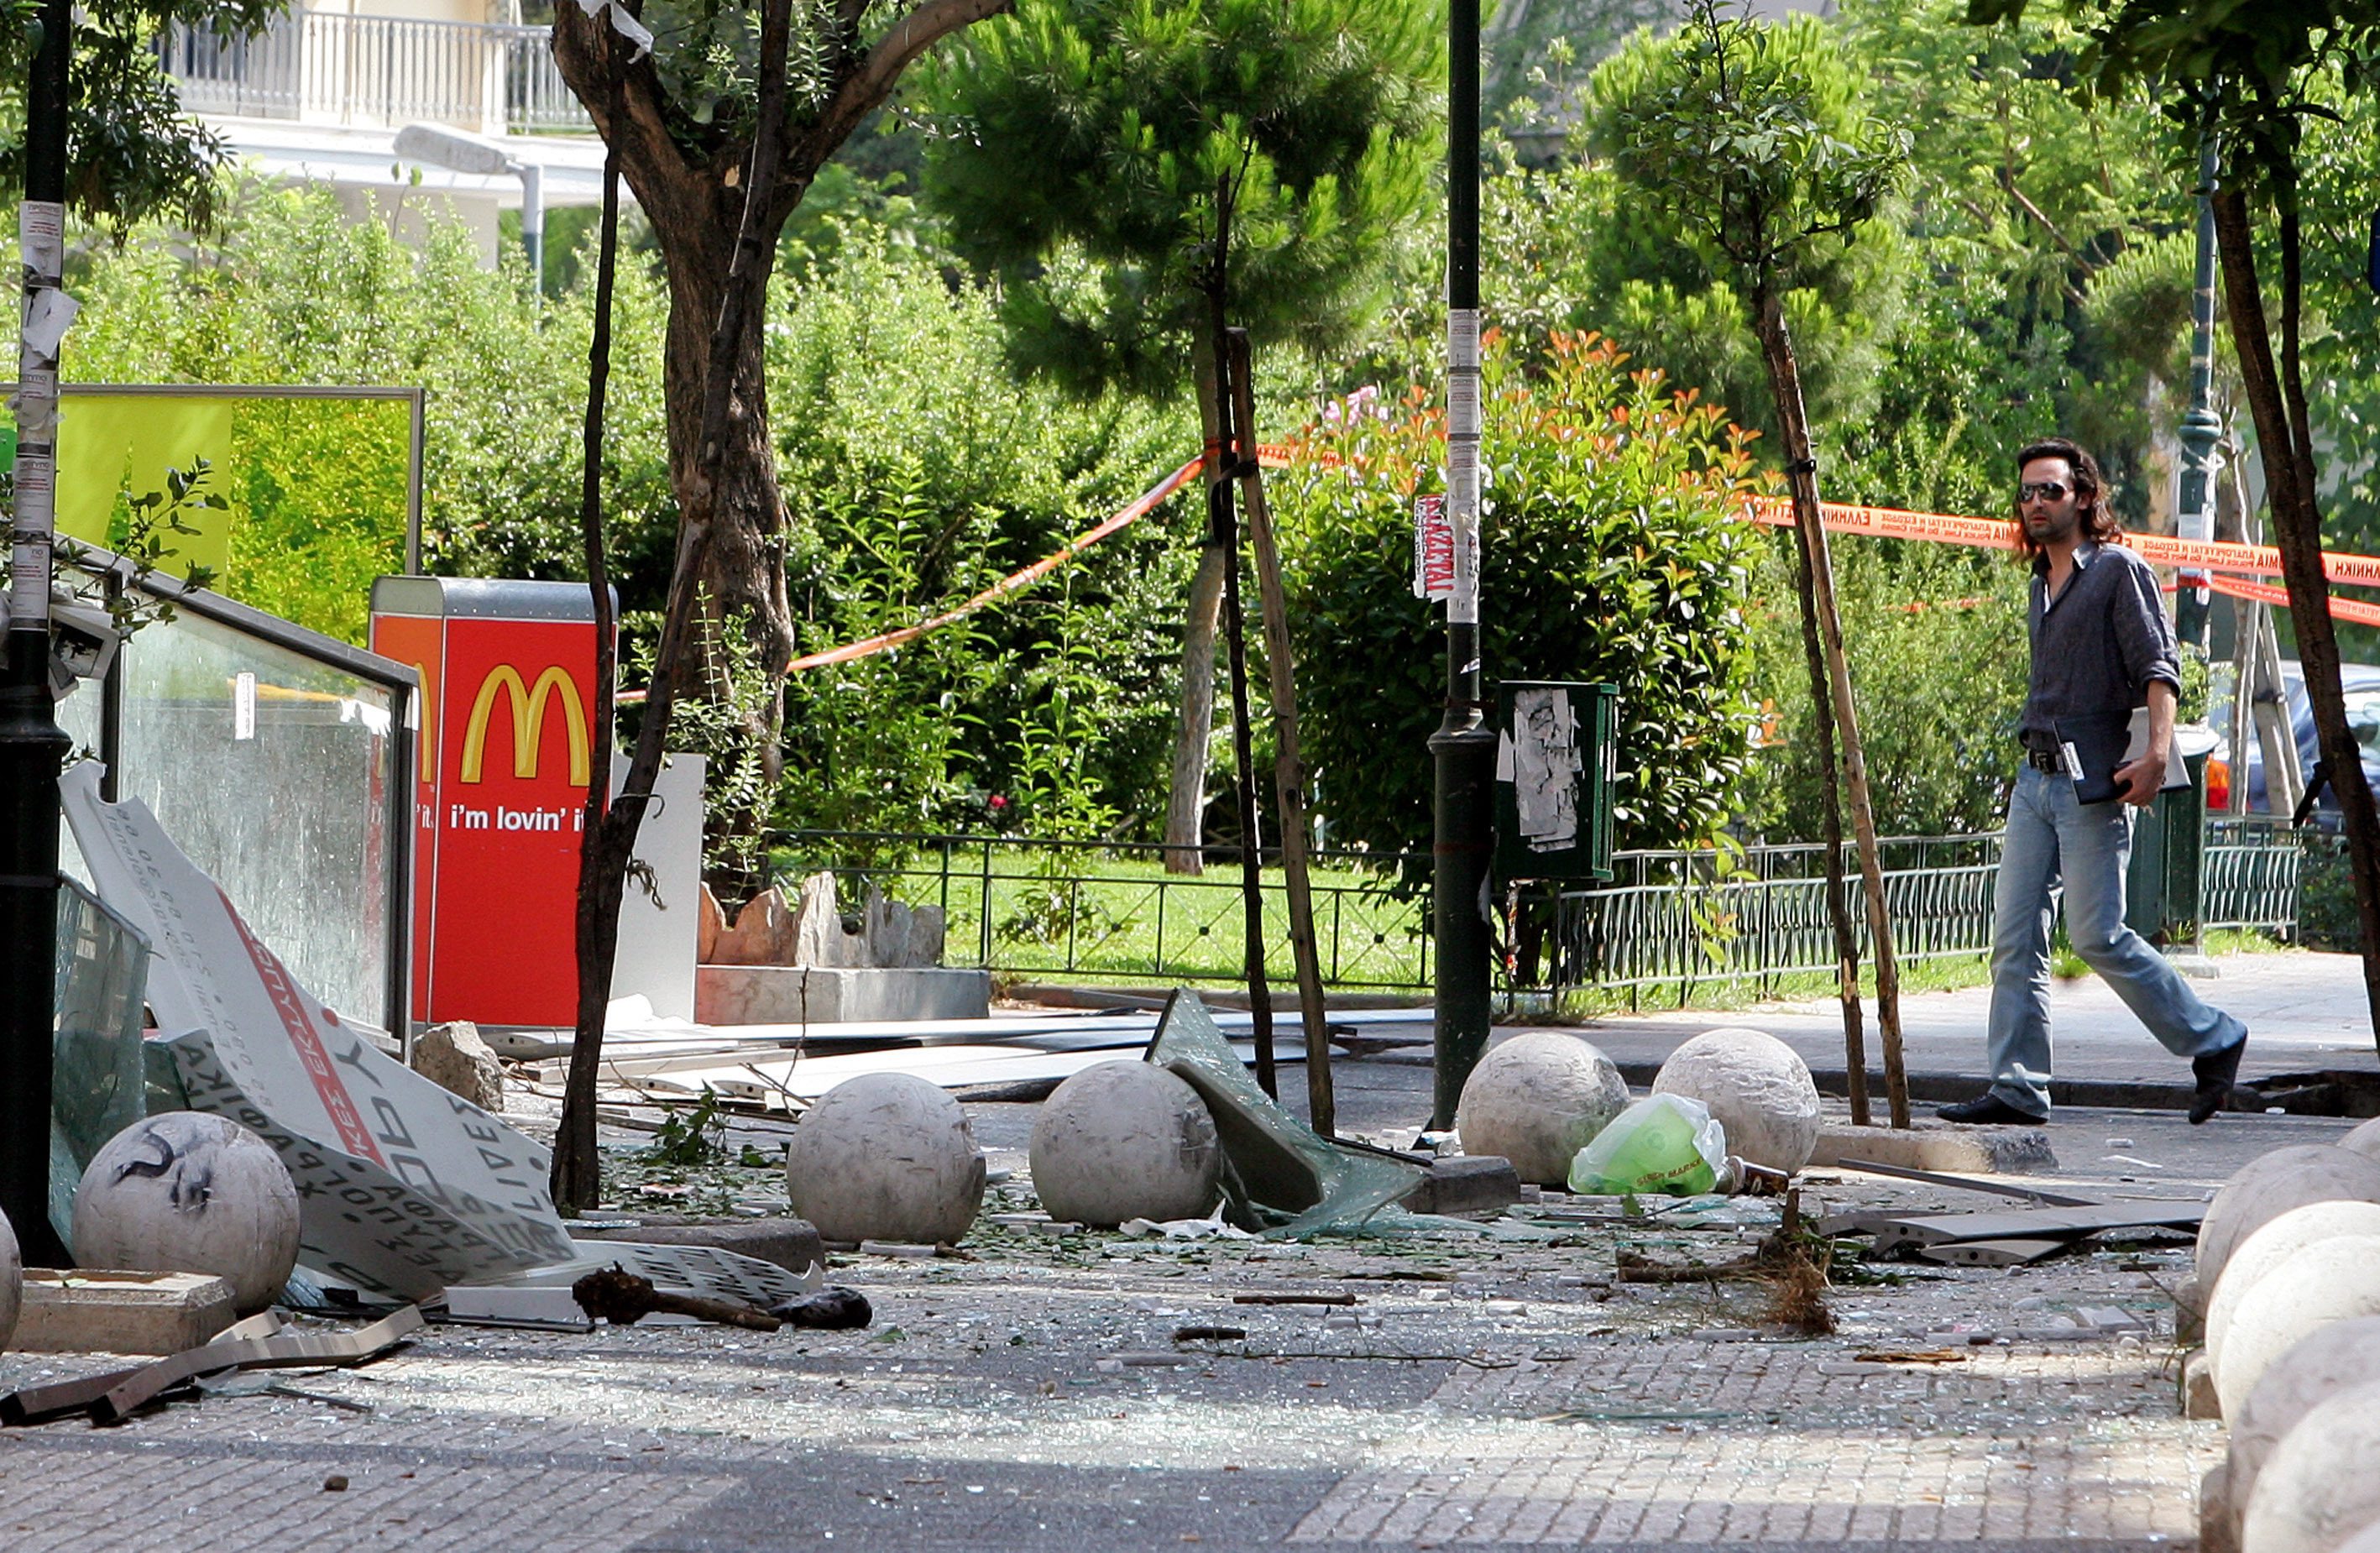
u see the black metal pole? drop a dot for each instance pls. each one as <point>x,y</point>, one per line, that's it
<point>1223,516</point>
<point>31,745</point>
<point>2201,429</point>
<point>1464,749</point>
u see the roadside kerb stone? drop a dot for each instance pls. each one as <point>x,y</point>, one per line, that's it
<point>1939,1145</point>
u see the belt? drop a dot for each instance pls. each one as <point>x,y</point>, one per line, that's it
<point>2052,761</point>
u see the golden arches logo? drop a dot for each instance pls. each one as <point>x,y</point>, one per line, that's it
<point>528,722</point>
<point>427,739</point>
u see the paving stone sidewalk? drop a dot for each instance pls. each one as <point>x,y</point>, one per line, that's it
<point>1485,1391</point>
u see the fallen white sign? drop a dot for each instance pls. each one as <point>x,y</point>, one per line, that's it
<point>403,1188</point>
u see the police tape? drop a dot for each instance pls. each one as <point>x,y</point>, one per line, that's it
<point>1885,523</point>
<point>2266,593</point>
<point>1995,533</point>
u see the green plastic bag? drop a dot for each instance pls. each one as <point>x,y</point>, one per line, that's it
<point>1665,1144</point>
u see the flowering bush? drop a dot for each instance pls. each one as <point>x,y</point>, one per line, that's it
<point>1607,553</point>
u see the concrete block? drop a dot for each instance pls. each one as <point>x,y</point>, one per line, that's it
<point>2189,1311</point>
<point>762,934</point>
<point>791,1244</point>
<point>1939,1145</point>
<point>453,1057</point>
<point>2218,1524</point>
<point>1467,1184</point>
<point>91,1310</point>
<point>822,995</point>
<point>2198,1398</point>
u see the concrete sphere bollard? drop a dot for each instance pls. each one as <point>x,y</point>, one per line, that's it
<point>2336,1279</point>
<point>2271,1245</point>
<point>2318,1489</point>
<point>2271,1184</point>
<point>1125,1140</point>
<point>12,1282</point>
<point>885,1156</point>
<point>2363,1138</point>
<point>1758,1088</point>
<point>2340,1357</point>
<point>1537,1100</point>
<point>186,1191</point>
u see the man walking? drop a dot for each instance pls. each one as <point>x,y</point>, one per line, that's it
<point>2101,645</point>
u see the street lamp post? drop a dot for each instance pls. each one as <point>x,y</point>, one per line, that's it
<point>457,151</point>
<point>2201,427</point>
<point>33,746</point>
<point>1464,749</point>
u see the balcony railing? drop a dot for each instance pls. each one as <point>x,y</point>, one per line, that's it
<point>321,68</point>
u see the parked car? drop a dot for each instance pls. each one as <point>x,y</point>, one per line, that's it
<point>2361,682</point>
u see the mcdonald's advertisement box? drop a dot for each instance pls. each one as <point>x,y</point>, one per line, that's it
<point>507,742</point>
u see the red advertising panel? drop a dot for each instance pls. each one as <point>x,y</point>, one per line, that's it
<point>508,718</point>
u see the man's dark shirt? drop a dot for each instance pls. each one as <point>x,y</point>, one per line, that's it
<point>2100,644</point>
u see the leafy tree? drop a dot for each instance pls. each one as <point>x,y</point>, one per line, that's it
<point>287,288</point>
<point>1140,176</point>
<point>721,126</point>
<point>1648,276</point>
<point>1774,172</point>
<point>2253,78</point>
<point>131,155</point>
<point>2055,250</point>
<point>909,498</point>
<point>1609,552</point>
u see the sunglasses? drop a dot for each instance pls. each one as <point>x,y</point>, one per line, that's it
<point>2046,491</point>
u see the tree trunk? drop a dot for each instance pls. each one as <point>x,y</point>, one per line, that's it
<point>1785,385</point>
<point>1838,910</point>
<point>603,855</point>
<point>1289,768</point>
<point>2284,443</point>
<point>1185,804</point>
<point>735,503</point>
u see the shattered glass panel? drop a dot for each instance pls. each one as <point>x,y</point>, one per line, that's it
<point>97,1082</point>
<point>1278,1174</point>
<point>272,771</point>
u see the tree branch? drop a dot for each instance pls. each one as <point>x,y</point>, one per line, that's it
<point>624,101</point>
<point>863,91</point>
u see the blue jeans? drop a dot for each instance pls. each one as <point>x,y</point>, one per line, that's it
<point>2051,836</point>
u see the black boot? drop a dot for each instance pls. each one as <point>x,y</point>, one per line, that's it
<point>2215,1073</point>
<point>1988,1110</point>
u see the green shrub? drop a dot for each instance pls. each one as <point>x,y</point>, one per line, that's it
<point>919,471</point>
<point>1609,553</point>
<point>1935,640</point>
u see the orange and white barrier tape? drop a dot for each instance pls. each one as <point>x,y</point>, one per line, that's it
<point>1997,533</point>
<point>1139,508</point>
<point>2266,593</point>
<point>1890,523</point>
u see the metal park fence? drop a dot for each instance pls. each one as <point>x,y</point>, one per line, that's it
<point>1035,909</point>
<point>1688,918</point>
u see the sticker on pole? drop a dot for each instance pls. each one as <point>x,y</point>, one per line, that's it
<point>1433,550</point>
